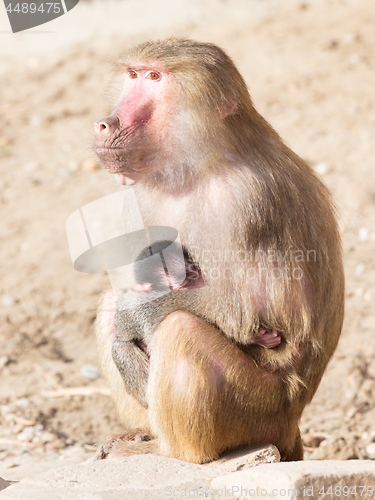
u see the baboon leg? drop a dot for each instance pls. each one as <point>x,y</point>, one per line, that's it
<point>207,396</point>
<point>130,411</point>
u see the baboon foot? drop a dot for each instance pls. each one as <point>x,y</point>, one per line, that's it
<point>134,442</point>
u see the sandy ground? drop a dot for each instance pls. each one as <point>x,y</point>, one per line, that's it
<point>310,67</point>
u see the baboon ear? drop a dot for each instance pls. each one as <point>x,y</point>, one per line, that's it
<point>229,108</point>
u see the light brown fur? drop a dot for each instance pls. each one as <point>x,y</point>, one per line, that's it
<point>241,201</point>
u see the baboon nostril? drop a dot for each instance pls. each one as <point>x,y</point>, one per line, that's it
<point>106,125</point>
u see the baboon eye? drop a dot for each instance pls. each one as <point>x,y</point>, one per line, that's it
<point>132,74</point>
<point>153,75</point>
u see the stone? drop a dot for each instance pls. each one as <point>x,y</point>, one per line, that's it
<point>370,450</point>
<point>3,484</point>
<point>89,165</point>
<point>311,479</point>
<point>246,458</point>
<point>90,371</point>
<point>139,477</point>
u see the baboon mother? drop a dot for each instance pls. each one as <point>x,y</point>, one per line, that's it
<point>261,227</point>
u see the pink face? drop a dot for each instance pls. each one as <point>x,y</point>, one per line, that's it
<point>131,142</point>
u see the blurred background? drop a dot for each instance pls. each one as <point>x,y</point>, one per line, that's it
<point>310,68</point>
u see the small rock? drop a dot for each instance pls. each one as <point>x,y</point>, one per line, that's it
<point>47,437</point>
<point>31,166</point>
<point>368,323</point>
<point>8,300</point>
<point>4,141</point>
<point>3,361</point>
<point>350,38</point>
<point>335,447</point>
<point>359,269</point>
<point>313,440</point>
<point>22,402</point>
<point>4,409</point>
<point>30,433</point>
<point>332,43</point>
<point>367,390</point>
<point>321,168</point>
<point>353,110</point>
<point>90,371</point>
<point>370,450</point>
<point>365,436</point>
<point>64,172</point>
<point>54,445</point>
<point>35,120</point>
<point>73,166</point>
<point>363,234</point>
<point>25,247</point>
<point>355,59</point>
<point>71,451</point>
<point>89,165</point>
<point>21,451</point>
<point>350,394</point>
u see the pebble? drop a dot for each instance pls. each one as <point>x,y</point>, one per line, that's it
<point>31,166</point>
<point>73,166</point>
<point>89,165</point>
<point>353,110</point>
<point>90,371</point>
<point>363,234</point>
<point>321,168</point>
<point>359,269</point>
<point>350,394</point>
<point>365,437</point>
<point>30,433</point>
<point>25,247</point>
<point>64,172</point>
<point>332,43</point>
<point>4,409</point>
<point>35,120</point>
<point>355,59</point>
<point>8,300</point>
<point>349,38</point>
<point>367,323</point>
<point>22,402</point>
<point>21,451</point>
<point>4,141</point>
<point>47,437</point>
<point>370,450</point>
<point>3,361</point>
